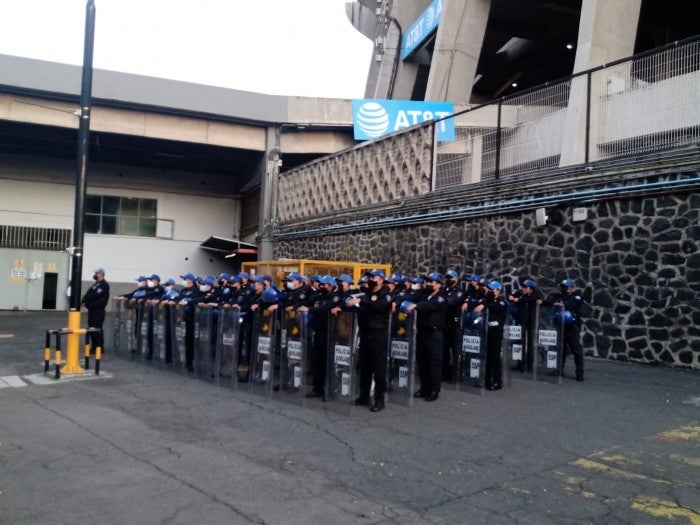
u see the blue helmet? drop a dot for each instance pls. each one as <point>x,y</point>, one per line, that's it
<point>564,316</point>
<point>270,295</point>
<point>436,277</point>
<point>472,319</point>
<point>404,306</point>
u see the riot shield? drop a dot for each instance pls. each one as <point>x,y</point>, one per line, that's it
<point>118,318</point>
<point>294,357</point>
<point>513,348</point>
<point>471,361</point>
<point>402,358</point>
<point>128,336</point>
<point>159,333</point>
<point>177,337</point>
<point>204,348</point>
<point>343,378</point>
<point>548,356</point>
<point>227,346</point>
<point>262,355</point>
<point>141,330</point>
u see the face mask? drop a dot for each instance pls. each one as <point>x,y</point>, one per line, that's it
<point>564,288</point>
<point>290,285</point>
<point>222,282</point>
<point>415,287</point>
<point>150,283</point>
<point>168,288</point>
<point>94,277</point>
<point>184,283</point>
<point>202,287</point>
<point>429,288</point>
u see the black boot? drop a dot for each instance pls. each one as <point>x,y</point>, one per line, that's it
<point>378,403</point>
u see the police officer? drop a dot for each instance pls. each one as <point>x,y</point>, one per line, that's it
<point>526,301</point>
<point>154,292</point>
<point>95,300</point>
<point>497,308</point>
<point>189,296</point>
<point>373,320</point>
<point>325,300</point>
<point>169,296</point>
<point>568,303</point>
<point>431,305</point>
<point>455,299</point>
<point>474,295</point>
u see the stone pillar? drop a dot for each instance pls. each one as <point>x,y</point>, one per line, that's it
<point>607,32</point>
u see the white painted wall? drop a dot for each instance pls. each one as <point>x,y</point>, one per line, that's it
<point>31,195</point>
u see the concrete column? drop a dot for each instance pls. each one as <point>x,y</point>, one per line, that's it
<point>458,43</point>
<point>389,76</point>
<point>607,32</point>
<point>268,195</point>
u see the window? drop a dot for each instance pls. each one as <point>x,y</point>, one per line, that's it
<point>120,215</point>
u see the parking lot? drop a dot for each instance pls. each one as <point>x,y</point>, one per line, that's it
<point>144,445</point>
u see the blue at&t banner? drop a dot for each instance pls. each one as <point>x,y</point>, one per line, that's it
<point>374,118</point>
<point>421,29</point>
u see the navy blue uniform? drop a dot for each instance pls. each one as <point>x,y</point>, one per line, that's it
<point>455,297</point>
<point>189,297</point>
<point>373,319</point>
<point>497,309</point>
<point>526,316</point>
<point>95,300</point>
<point>571,333</point>
<point>430,324</point>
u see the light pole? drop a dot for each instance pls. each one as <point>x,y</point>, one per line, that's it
<point>72,366</point>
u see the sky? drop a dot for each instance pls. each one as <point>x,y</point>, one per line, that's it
<point>279,47</point>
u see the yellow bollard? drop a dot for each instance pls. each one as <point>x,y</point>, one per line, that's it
<point>58,364</point>
<point>98,358</point>
<point>72,365</point>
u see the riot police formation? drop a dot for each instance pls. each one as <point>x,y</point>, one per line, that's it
<point>441,304</point>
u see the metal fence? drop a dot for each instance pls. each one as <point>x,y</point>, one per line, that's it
<point>645,103</point>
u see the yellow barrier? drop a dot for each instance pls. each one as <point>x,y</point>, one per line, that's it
<point>279,268</point>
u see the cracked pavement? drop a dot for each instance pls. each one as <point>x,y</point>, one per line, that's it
<point>150,446</point>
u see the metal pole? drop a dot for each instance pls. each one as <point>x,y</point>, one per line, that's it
<point>497,165</point>
<point>72,365</point>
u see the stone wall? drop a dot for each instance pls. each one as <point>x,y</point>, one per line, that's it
<point>636,259</point>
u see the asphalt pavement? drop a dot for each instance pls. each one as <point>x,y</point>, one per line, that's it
<point>142,445</point>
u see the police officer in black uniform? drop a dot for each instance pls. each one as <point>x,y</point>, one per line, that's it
<point>497,308</point>
<point>154,293</point>
<point>95,300</point>
<point>455,299</point>
<point>431,305</point>
<point>189,296</point>
<point>526,301</point>
<point>569,304</point>
<point>324,301</point>
<point>373,321</point>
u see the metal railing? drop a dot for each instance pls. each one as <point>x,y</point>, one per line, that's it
<point>32,238</point>
<point>644,103</point>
